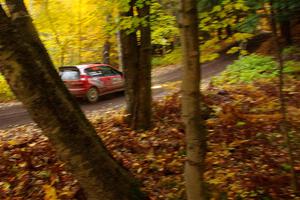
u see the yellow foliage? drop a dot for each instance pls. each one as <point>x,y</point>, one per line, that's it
<point>242,36</point>
<point>50,193</point>
<point>233,50</point>
<point>72,31</point>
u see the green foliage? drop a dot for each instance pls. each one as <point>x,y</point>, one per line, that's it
<point>163,25</point>
<point>5,92</point>
<point>171,58</point>
<point>292,67</point>
<point>228,13</point>
<point>223,24</point>
<point>291,52</point>
<point>248,69</point>
<point>249,25</point>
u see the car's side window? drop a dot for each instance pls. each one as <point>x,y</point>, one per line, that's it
<point>117,72</point>
<point>94,71</point>
<point>108,71</point>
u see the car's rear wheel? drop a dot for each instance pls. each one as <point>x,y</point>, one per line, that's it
<point>92,95</point>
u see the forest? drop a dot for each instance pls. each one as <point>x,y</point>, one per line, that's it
<point>149,99</point>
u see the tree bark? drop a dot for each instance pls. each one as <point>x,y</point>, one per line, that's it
<point>285,130</point>
<point>137,69</point>
<point>130,62</point>
<point>143,105</point>
<point>106,52</point>
<point>107,45</point>
<point>32,77</point>
<point>285,29</point>
<point>194,125</point>
<point>285,23</point>
<point>79,31</point>
<point>120,53</point>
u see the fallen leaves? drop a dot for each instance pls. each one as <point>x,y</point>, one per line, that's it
<point>29,167</point>
<point>246,158</point>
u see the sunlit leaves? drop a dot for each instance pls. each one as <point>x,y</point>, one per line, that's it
<point>163,25</point>
<point>72,31</point>
<point>223,24</point>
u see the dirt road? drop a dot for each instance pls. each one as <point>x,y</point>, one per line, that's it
<point>17,115</point>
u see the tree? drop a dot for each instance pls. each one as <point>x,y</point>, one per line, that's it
<point>285,130</point>
<point>137,64</point>
<point>107,44</point>
<point>32,77</point>
<point>194,125</point>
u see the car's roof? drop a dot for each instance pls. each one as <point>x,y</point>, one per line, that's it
<point>82,67</point>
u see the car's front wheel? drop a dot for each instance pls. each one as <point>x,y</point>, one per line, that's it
<point>92,95</point>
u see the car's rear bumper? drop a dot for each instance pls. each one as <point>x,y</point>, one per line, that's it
<point>78,92</point>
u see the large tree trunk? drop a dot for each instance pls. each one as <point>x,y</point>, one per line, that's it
<point>194,126</point>
<point>137,70</point>
<point>142,119</point>
<point>130,62</point>
<point>31,75</point>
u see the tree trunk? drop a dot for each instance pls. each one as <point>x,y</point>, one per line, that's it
<point>107,45</point>
<point>120,53</point>
<point>106,52</point>
<point>32,77</point>
<point>137,69</point>
<point>194,126</point>
<point>79,31</point>
<point>143,105</point>
<point>130,64</point>
<point>285,130</point>
<point>285,23</point>
<point>285,29</point>
<point>228,31</point>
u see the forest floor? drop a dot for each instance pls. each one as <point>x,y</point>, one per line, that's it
<point>247,157</point>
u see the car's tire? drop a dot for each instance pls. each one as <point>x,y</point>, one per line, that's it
<point>92,95</point>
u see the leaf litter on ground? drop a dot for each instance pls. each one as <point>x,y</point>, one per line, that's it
<point>246,159</point>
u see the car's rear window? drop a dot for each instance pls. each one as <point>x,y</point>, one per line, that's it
<point>69,73</point>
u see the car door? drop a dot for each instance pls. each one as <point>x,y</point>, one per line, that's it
<point>118,80</point>
<point>95,78</point>
<point>115,77</point>
<point>106,78</point>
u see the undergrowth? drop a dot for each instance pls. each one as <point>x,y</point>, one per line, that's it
<point>254,67</point>
<point>171,58</point>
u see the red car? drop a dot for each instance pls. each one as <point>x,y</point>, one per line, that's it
<point>92,80</point>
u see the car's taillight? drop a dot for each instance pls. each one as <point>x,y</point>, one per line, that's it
<point>83,77</point>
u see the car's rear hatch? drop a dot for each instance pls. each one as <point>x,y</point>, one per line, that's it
<point>71,77</point>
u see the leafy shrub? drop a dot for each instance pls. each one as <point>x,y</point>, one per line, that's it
<point>248,69</point>
<point>169,59</point>
<point>292,67</point>
<point>291,53</point>
<point>5,92</point>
